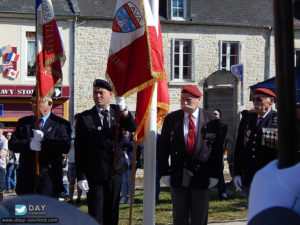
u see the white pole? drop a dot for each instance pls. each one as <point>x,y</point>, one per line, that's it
<point>150,164</point>
<point>150,151</point>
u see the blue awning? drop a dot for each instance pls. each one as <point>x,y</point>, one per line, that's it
<point>270,84</point>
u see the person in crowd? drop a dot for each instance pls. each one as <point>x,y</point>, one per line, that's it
<point>99,166</point>
<point>128,153</point>
<point>65,192</point>
<point>274,196</point>
<point>11,167</point>
<point>223,131</point>
<point>51,140</point>
<point>71,168</point>
<point>190,136</point>
<point>3,151</point>
<point>256,143</point>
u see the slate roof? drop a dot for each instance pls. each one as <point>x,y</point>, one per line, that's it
<point>227,12</point>
<point>243,12</point>
<point>212,12</point>
<point>61,7</point>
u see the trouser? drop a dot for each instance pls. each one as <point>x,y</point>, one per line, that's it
<point>190,206</point>
<point>10,176</point>
<point>103,200</point>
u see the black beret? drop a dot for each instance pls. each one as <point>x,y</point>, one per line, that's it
<point>102,84</point>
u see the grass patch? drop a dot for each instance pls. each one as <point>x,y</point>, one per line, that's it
<point>232,209</point>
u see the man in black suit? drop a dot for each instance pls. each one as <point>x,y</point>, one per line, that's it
<point>190,136</point>
<point>52,140</point>
<point>99,168</point>
<point>256,143</point>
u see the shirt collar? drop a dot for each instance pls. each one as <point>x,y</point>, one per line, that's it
<point>44,118</point>
<point>195,114</point>
<point>100,109</point>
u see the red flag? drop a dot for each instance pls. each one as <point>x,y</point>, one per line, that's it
<point>144,97</point>
<point>50,51</point>
<point>129,67</point>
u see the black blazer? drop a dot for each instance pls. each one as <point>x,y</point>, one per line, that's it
<point>206,160</point>
<point>57,141</point>
<point>250,155</point>
<point>94,147</point>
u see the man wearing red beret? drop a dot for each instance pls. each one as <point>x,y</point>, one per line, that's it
<point>190,136</point>
<point>256,143</point>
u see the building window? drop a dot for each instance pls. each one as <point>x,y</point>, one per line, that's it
<point>229,54</point>
<point>28,56</point>
<point>182,60</point>
<point>31,54</point>
<point>178,9</point>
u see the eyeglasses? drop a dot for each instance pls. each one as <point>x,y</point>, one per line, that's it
<point>257,99</point>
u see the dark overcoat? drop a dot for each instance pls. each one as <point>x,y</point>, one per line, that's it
<point>250,153</point>
<point>56,141</point>
<point>94,147</point>
<point>205,162</point>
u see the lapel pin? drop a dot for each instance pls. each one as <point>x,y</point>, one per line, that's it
<point>99,128</point>
<point>49,129</point>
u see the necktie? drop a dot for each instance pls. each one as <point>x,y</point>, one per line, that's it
<point>260,119</point>
<point>41,123</point>
<point>105,121</point>
<point>191,138</point>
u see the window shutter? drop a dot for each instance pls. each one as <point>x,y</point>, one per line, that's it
<point>240,52</point>
<point>193,78</point>
<point>220,55</point>
<point>163,8</point>
<point>172,58</point>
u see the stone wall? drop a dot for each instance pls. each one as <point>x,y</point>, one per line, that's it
<point>93,40</point>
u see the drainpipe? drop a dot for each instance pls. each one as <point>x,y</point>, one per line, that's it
<point>268,73</point>
<point>74,63</point>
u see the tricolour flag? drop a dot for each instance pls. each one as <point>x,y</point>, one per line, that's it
<point>12,74</point>
<point>50,51</point>
<point>5,49</point>
<point>129,67</point>
<point>144,97</point>
<point>7,66</point>
<point>12,57</point>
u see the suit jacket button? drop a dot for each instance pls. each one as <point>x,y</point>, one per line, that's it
<point>254,142</point>
<point>253,149</point>
<point>253,157</point>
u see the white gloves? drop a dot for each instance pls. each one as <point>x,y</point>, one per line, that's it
<point>83,185</point>
<point>237,180</point>
<point>121,103</point>
<point>35,145</point>
<point>38,135</point>
<point>166,180</point>
<point>273,187</point>
<point>212,182</point>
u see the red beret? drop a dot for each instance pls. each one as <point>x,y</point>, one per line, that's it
<point>192,89</point>
<point>264,91</point>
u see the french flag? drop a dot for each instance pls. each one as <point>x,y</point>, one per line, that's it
<point>12,57</point>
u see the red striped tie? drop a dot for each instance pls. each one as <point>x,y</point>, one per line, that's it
<point>191,138</point>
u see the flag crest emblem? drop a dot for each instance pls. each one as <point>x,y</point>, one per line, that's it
<point>127,19</point>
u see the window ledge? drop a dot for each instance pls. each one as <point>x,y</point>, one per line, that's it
<point>181,83</point>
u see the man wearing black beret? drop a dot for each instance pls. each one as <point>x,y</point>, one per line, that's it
<point>98,169</point>
<point>190,136</point>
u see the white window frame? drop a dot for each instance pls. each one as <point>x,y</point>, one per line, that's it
<point>24,78</point>
<point>228,46</point>
<point>184,11</point>
<point>180,79</point>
